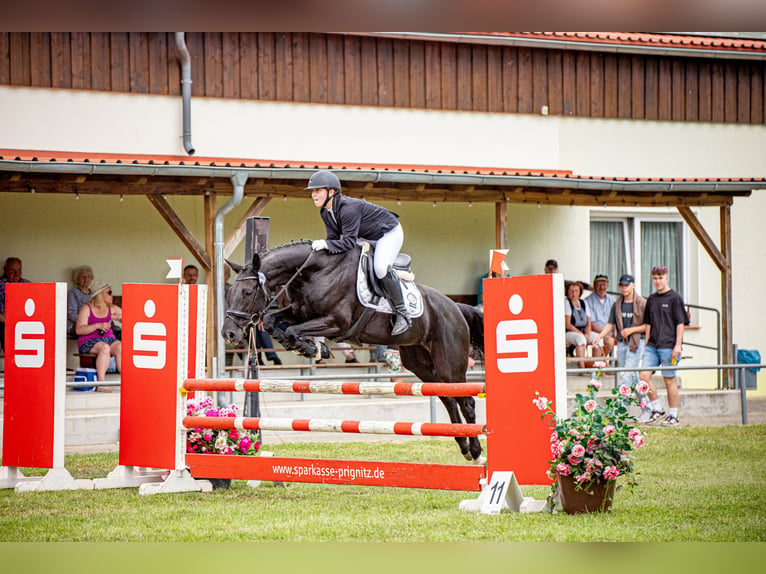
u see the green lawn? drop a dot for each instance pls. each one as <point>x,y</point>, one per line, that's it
<point>698,484</point>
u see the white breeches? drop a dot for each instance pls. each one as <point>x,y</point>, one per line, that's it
<point>386,250</point>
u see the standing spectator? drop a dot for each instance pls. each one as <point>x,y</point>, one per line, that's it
<point>82,277</point>
<point>627,315</point>
<point>94,328</point>
<point>578,323</point>
<point>666,318</point>
<point>191,274</point>
<point>600,303</point>
<point>11,274</point>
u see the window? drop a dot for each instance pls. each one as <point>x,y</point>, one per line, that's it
<point>634,244</point>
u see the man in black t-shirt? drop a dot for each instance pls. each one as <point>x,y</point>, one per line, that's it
<point>667,319</point>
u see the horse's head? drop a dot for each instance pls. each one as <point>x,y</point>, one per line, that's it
<point>247,300</point>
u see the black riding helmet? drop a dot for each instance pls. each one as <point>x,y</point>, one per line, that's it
<point>324,178</point>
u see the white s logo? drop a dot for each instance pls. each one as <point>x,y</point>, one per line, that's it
<point>527,347</point>
<point>155,349</point>
<point>28,336</point>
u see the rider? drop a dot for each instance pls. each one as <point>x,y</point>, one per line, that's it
<point>348,219</point>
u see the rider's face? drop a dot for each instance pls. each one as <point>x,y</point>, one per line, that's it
<point>319,196</point>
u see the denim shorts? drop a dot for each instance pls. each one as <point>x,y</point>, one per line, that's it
<point>654,357</point>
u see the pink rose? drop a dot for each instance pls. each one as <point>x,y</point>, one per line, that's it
<point>642,387</point>
<point>625,390</point>
<point>578,450</point>
<point>595,383</point>
<point>609,429</point>
<point>563,469</point>
<point>639,441</point>
<point>554,436</point>
<point>555,449</point>
<point>599,364</point>
<point>582,477</point>
<point>633,433</point>
<point>611,473</point>
<point>245,443</point>
<point>573,460</point>
<point>590,405</point>
<point>541,403</point>
<point>644,402</point>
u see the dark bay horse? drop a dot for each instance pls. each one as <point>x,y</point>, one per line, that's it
<point>323,302</point>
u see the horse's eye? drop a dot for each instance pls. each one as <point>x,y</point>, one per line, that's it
<point>248,292</point>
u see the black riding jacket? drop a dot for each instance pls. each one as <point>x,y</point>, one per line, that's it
<point>353,219</point>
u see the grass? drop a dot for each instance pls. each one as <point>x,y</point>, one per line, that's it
<point>695,484</point>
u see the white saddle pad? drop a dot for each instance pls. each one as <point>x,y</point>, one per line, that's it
<point>413,299</point>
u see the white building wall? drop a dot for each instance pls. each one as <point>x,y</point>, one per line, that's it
<point>128,241</point>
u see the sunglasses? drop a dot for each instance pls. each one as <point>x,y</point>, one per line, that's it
<point>659,270</point>
<point>109,292</point>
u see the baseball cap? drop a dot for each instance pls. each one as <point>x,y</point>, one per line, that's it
<point>627,279</point>
<point>551,263</point>
<point>600,277</point>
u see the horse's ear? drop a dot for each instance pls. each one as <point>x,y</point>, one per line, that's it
<point>256,262</point>
<point>234,266</point>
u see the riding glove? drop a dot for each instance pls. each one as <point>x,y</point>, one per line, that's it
<point>319,244</point>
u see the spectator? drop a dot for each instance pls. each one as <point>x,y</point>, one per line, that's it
<point>191,274</point>
<point>600,303</point>
<point>666,318</point>
<point>94,328</point>
<point>480,294</point>
<point>627,315</point>
<point>552,266</point>
<point>82,277</point>
<point>578,324</point>
<point>11,274</point>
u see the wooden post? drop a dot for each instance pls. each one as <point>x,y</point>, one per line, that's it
<point>501,225</point>
<point>210,209</point>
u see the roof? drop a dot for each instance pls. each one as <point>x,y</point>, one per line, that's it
<point>114,173</point>
<point>705,45</point>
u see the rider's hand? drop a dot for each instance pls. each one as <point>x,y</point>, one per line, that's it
<point>319,244</point>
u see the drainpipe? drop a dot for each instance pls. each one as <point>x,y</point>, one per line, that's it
<point>186,84</point>
<point>238,180</point>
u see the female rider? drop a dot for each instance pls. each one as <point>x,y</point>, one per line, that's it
<point>348,219</point>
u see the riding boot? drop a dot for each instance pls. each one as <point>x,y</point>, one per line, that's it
<point>390,283</point>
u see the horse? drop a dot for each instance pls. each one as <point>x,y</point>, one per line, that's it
<point>322,302</point>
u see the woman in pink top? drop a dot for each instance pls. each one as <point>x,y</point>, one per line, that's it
<point>94,328</point>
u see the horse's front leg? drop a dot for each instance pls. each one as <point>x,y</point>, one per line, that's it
<point>276,324</point>
<point>318,327</point>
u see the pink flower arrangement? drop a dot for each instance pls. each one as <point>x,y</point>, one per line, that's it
<point>597,441</point>
<point>218,441</point>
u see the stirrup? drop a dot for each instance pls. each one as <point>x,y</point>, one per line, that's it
<point>401,324</point>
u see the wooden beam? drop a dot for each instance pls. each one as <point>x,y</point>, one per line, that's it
<point>236,237</point>
<point>727,350</point>
<point>184,233</point>
<point>703,237</point>
<point>501,225</point>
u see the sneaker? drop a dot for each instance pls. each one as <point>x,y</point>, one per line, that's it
<point>656,416</point>
<point>670,421</point>
<point>644,416</point>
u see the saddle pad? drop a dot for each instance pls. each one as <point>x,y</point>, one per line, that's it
<point>412,297</point>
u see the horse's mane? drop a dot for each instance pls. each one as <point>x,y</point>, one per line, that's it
<point>292,243</point>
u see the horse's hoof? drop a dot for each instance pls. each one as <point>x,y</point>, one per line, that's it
<point>468,456</point>
<point>482,460</point>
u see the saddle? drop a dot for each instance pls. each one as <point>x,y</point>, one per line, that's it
<point>402,266</point>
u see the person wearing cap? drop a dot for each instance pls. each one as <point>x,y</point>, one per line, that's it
<point>348,220</point>
<point>627,317</point>
<point>666,320</point>
<point>600,303</point>
<point>94,328</point>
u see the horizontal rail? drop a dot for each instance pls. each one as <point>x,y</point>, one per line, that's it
<point>335,425</point>
<point>332,471</point>
<point>337,387</point>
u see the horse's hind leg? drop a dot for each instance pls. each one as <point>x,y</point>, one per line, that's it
<point>454,415</point>
<point>468,408</point>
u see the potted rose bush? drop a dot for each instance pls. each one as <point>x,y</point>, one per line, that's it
<point>593,448</point>
<point>218,441</point>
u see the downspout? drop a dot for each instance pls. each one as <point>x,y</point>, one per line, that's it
<point>238,180</point>
<point>186,86</point>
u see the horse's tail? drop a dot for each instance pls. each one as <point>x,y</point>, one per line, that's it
<point>475,320</point>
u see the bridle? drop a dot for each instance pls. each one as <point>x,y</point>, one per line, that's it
<point>245,320</point>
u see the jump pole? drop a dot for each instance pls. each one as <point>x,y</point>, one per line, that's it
<point>35,388</point>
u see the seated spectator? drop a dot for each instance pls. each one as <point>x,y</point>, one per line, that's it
<point>600,303</point>
<point>82,277</point>
<point>11,274</point>
<point>94,328</point>
<point>578,323</point>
